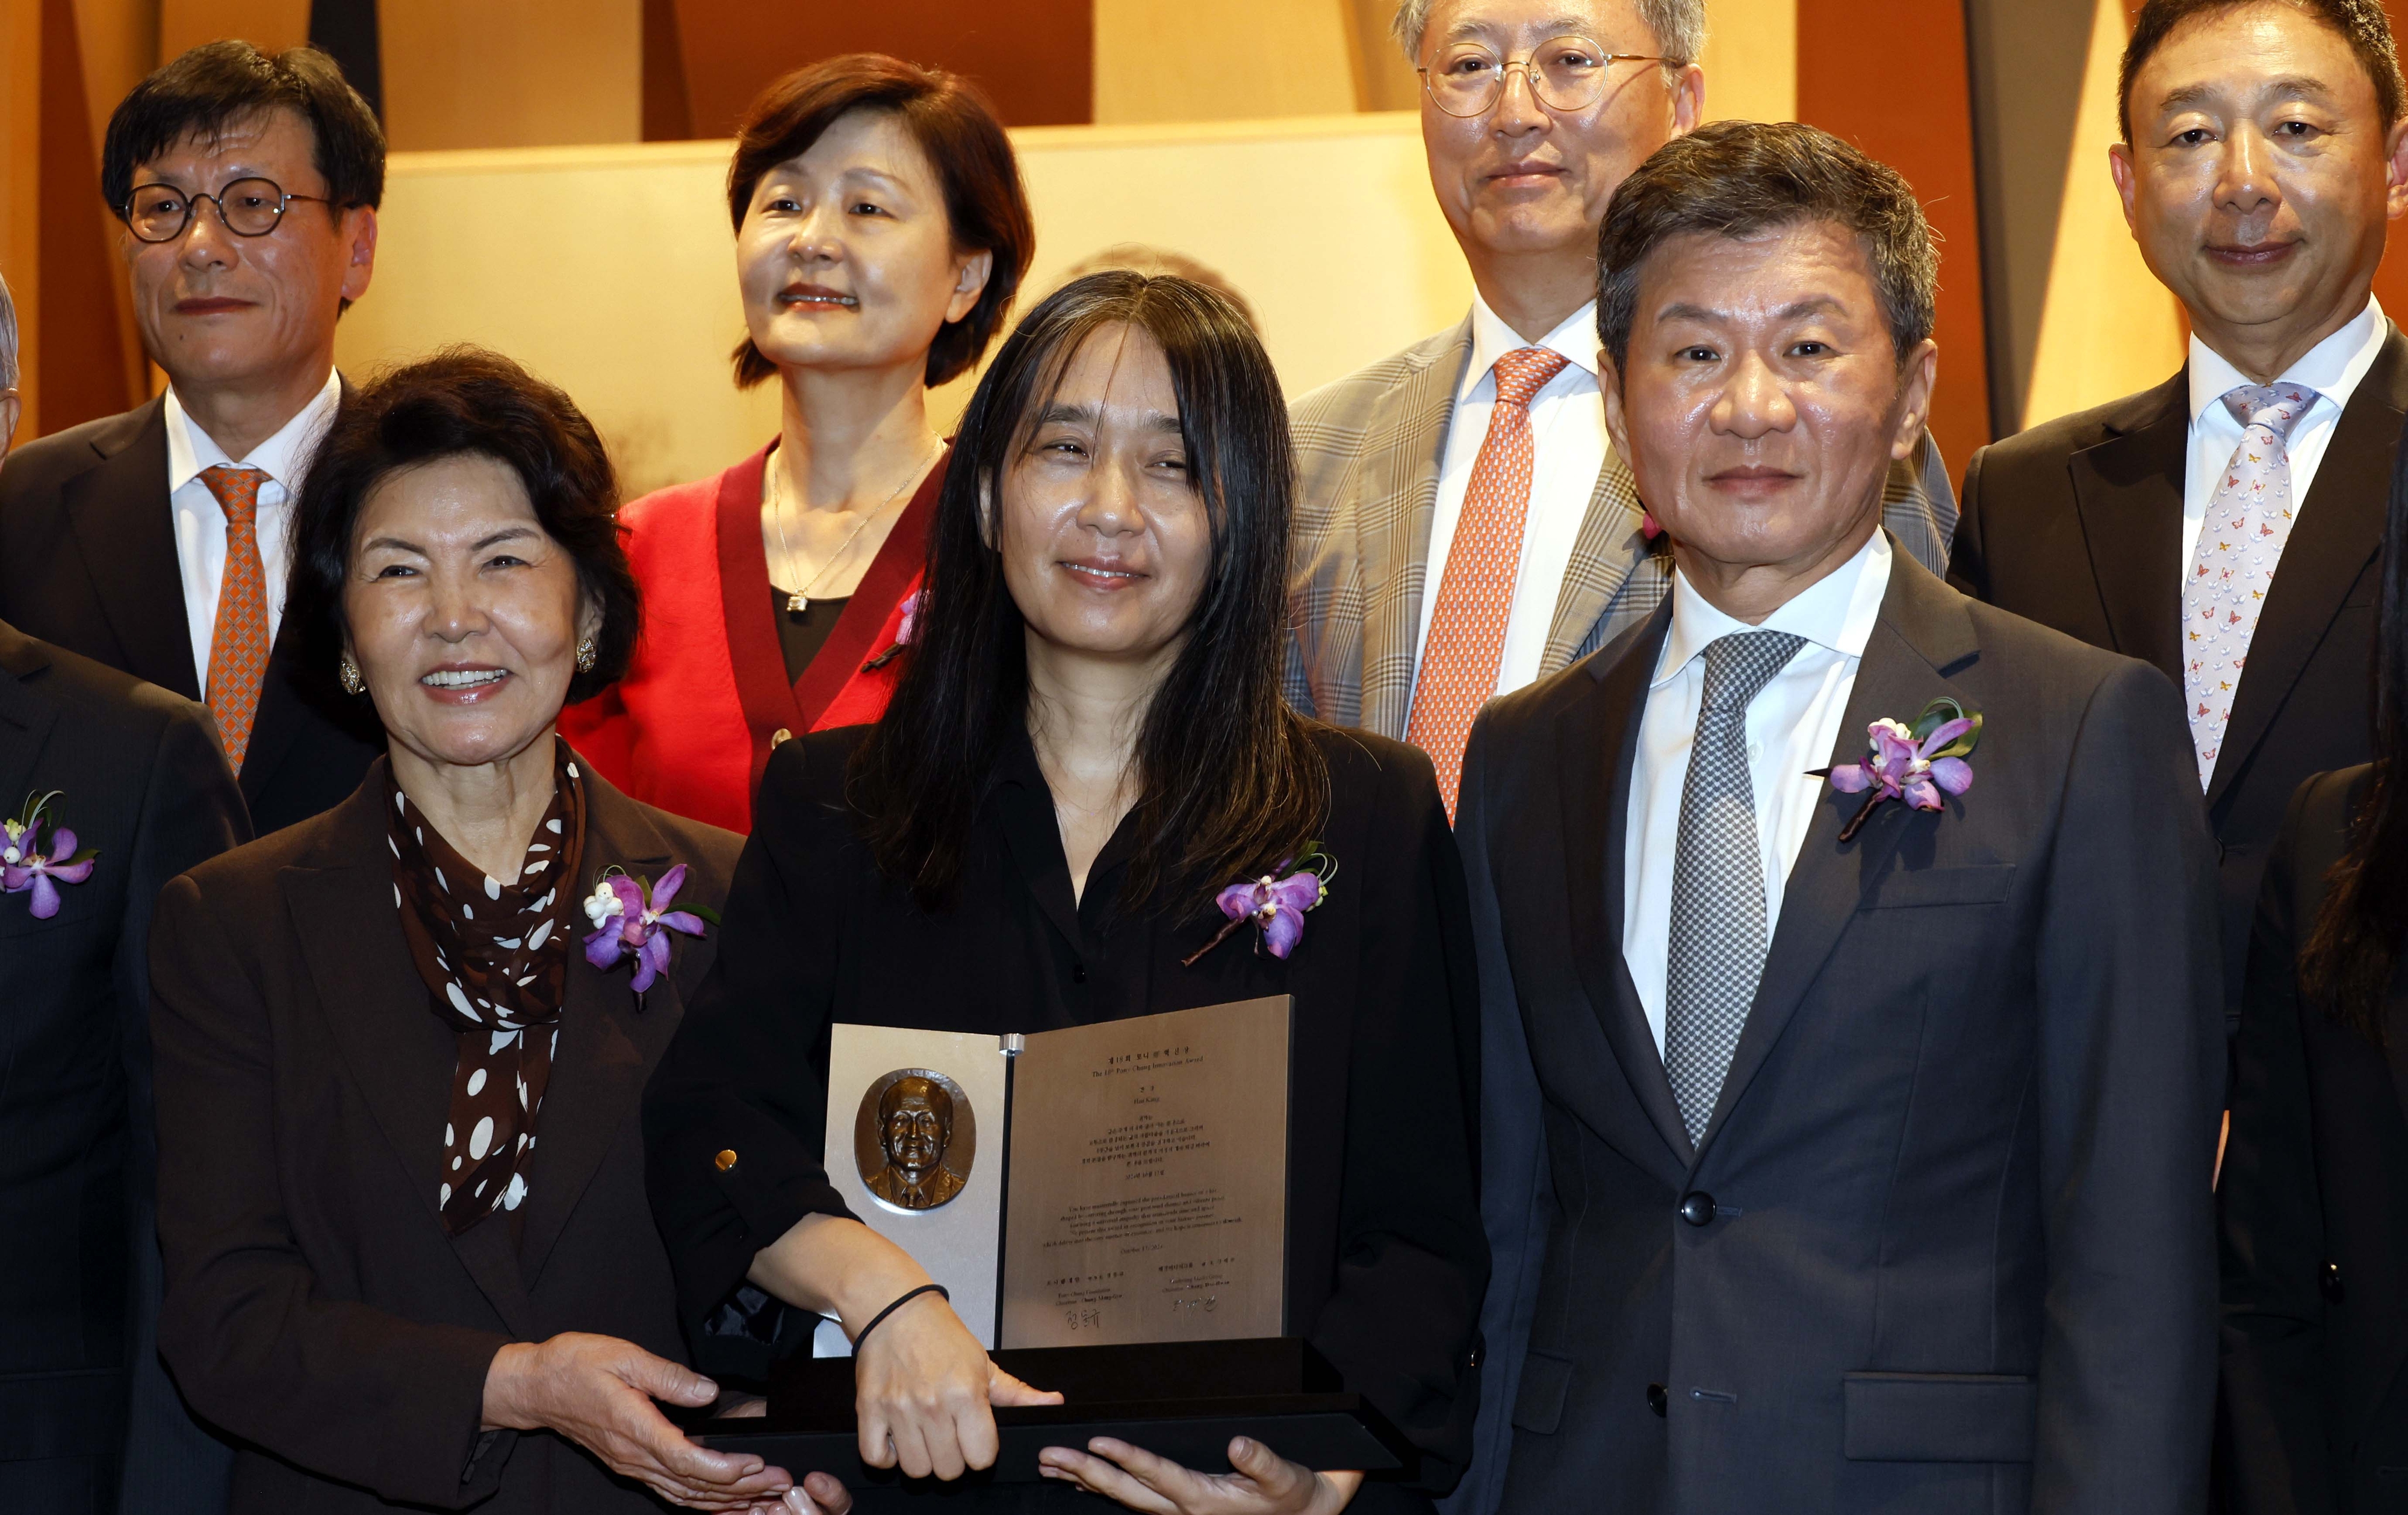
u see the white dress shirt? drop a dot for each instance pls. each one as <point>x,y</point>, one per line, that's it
<point>1793,726</point>
<point>1568,445</point>
<point>201,523</point>
<point>2332,368</point>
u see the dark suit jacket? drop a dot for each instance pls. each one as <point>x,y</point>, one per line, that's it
<point>315,1307</point>
<point>2314,1210</point>
<point>2077,524</point>
<point>1947,1242</point>
<point>141,778</point>
<point>1385,1261</point>
<point>90,547</point>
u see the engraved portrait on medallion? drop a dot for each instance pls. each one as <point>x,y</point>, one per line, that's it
<point>915,1138</point>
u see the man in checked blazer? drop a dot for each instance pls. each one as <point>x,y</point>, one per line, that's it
<point>1415,563</point>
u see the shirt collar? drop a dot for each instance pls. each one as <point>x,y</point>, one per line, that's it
<point>283,457</point>
<point>2332,368</point>
<point>1491,339</point>
<point>1837,611</point>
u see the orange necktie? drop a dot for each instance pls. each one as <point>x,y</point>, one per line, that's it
<point>238,647</point>
<point>1475,599</point>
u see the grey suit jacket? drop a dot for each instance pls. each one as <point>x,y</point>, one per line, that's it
<point>1368,449</point>
<point>1947,1242</point>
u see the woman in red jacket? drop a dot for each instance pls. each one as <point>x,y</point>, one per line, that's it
<point>881,234</point>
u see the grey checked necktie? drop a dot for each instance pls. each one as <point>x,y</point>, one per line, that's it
<point>1715,952</point>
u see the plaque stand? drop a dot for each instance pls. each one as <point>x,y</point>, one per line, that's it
<point>1182,1400</point>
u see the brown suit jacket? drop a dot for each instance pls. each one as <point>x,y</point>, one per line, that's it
<point>2077,524</point>
<point>315,1308</point>
<point>1367,452</point>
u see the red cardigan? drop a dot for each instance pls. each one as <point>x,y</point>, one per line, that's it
<point>690,726</point>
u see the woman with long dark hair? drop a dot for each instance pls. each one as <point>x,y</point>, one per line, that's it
<point>1088,746</point>
<point>2313,1197</point>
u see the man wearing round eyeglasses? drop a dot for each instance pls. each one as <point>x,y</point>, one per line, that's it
<point>1462,527</point>
<point>156,541</point>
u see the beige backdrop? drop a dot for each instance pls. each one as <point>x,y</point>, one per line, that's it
<point>609,269</point>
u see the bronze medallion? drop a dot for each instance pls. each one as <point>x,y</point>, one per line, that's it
<point>915,1138</point>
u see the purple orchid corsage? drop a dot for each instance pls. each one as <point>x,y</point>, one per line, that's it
<point>1274,904</point>
<point>632,915</point>
<point>1916,764</point>
<point>905,634</point>
<point>31,864</point>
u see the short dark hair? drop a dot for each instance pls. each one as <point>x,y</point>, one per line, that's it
<point>2361,22</point>
<point>462,402</point>
<point>219,84</point>
<point>1229,781</point>
<point>1738,178</point>
<point>956,127</point>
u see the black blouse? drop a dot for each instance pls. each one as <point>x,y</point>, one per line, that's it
<point>1386,1261</point>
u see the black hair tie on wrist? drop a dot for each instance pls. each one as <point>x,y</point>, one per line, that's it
<point>907,1297</point>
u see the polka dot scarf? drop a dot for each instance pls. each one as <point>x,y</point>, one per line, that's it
<point>495,957</point>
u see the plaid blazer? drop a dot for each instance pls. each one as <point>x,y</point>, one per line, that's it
<point>1367,450</point>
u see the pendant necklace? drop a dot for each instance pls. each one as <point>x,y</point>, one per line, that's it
<point>799,600</point>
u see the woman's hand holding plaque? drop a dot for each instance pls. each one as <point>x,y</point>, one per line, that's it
<point>924,1391</point>
<point>1259,1481</point>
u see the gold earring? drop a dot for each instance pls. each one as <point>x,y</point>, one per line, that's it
<point>587,655</point>
<point>350,674</point>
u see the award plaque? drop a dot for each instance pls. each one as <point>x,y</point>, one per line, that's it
<point>1148,1198</point>
<point>1107,1207</point>
<point>1115,1183</point>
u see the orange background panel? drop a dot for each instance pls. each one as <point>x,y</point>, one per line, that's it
<point>1034,58</point>
<point>1890,76</point>
<point>2391,279</point>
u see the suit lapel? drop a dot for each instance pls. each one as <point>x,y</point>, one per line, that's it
<point>285,698</point>
<point>2338,533</point>
<point>1398,495</point>
<point>2128,492</point>
<point>1923,633</point>
<point>400,1055</point>
<point>1609,548</point>
<point>25,716</point>
<point>606,1042</point>
<point>1597,741</point>
<point>126,533</point>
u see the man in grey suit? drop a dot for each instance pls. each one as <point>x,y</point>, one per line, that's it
<point>1861,1144</point>
<point>1463,525</point>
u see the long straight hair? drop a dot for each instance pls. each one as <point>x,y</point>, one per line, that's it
<point>2350,954</point>
<point>1228,781</point>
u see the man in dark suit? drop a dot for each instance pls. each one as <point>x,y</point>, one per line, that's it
<point>135,773</point>
<point>156,541</point>
<point>2225,525</point>
<point>1846,1153</point>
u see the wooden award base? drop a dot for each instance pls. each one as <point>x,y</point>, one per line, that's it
<point>1182,1400</point>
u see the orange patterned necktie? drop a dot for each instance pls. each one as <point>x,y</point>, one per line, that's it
<point>238,647</point>
<point>1475,598</point>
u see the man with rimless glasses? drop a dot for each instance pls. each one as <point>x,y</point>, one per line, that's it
<point>156,541</point>
<point>1462,528</point>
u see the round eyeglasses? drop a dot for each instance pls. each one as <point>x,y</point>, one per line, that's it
<point>1565,74</point>
<point>249,208</point>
